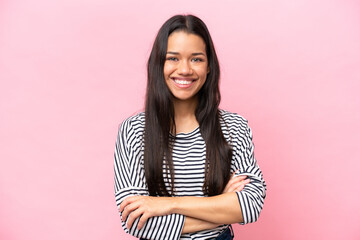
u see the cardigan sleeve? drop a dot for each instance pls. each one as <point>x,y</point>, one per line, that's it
<point>129,181</point>
<point>251,198</point>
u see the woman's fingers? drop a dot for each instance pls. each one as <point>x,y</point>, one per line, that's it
<point>143,220</point>
<point>127,201</point>
<point>238,186</point>
<point>234,180</point>
<point>237,179</point>
<point>129,208</point>
<point>228,185</point>
<point>143,207</point>
<point>230,181</point>
<point>135,214</point>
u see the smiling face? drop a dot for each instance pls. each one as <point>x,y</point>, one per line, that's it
<point>186,65</point>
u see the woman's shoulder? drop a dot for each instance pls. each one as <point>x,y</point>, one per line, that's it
<point>136,118</point>
<point>235,126</point>
<point>233,118</point>
<point>135,121</point>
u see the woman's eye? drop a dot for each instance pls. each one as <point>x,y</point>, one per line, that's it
<point>197,60</point>
<point>172,59</point>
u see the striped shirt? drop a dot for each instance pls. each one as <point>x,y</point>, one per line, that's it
<point>189,152</point>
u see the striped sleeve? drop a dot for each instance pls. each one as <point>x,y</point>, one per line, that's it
<point>129,181</point>
<point>251,198</point>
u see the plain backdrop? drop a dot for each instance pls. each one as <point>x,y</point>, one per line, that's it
<point>72,70</point>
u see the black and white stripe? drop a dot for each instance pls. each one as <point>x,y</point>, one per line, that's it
<point>189,159</point>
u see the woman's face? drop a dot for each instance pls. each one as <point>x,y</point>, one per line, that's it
<point>186,65</point>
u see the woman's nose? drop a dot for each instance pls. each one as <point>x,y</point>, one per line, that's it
<point>184,68</point>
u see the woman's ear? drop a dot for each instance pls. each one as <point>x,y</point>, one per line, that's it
<point>208,69</point>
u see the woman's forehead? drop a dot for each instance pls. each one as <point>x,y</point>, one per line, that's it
<point>181,41</point>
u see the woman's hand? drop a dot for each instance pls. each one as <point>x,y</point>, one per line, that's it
<point>144,206</point>
<point>236,183</point>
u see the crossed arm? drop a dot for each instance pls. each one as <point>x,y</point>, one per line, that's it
<point>200,212</point>
<point>169,218</point>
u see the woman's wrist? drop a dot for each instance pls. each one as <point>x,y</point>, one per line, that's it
<point>174,206</point>
<point>194,225</point>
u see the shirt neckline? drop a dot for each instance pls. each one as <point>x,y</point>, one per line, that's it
<point>187,134</point>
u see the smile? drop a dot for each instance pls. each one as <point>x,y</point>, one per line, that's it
<point>183,82</point>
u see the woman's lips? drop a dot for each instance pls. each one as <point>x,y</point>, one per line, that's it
<point>183,82</point>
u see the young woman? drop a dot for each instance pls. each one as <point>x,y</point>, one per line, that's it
<point>184,169</point>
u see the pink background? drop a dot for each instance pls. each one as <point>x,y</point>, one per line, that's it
<point>72,70</point>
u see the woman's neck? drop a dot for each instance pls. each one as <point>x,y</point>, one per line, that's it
<point>185,119</point>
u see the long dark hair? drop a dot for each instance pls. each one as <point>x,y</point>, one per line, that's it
<point>160,120</point>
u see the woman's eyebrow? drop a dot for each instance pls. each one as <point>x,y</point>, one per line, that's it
<point>194,54</point>
<point>199,53</point>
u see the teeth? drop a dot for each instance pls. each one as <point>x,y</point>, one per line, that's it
<point>182,81</point>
